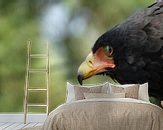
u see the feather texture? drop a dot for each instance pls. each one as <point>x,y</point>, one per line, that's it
<point>138,48</point>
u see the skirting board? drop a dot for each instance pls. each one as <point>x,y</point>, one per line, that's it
<point>7,117</point>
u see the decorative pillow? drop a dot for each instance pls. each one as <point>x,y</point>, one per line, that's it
<point>143,92</point>
<point>103,95</point>
<point>132,91</point>
<point>79,91</point>
<point>76,92</point>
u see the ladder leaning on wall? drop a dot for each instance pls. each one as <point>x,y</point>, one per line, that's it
<point>28,89</point>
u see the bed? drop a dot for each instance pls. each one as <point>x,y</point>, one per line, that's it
<point>96,111</point>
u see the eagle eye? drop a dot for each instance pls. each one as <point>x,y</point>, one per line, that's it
<point>108,50</point>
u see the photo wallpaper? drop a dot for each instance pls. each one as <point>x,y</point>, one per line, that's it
<point>87,39</point>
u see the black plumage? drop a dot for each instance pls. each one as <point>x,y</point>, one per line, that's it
<point>138,49</point>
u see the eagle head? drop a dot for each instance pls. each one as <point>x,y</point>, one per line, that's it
<point>101,60</point>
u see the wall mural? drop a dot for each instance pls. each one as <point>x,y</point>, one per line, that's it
<point>131,52</point>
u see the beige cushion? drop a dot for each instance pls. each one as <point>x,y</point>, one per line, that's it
<point>79,91</point>
<point>143,90</point>
<point>103,95</point>
<point>131,91</point>
<point>76,92</point>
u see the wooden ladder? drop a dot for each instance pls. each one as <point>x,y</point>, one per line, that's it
<point>29,70</point>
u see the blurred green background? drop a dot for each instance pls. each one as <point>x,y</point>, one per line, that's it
<point>70,26</point>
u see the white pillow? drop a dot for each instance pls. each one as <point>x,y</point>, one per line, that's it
<point>143,92</point>
<point>71,92</point>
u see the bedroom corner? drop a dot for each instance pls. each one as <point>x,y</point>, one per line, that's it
<point>81,65</point>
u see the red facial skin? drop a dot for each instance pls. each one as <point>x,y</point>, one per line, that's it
<point>103,60</point>
<point>96,63</point>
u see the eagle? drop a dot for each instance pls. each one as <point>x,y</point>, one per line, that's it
<point>130,52</point>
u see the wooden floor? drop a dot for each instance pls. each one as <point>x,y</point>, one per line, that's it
<point>14,121</point>
<point>17,126</point>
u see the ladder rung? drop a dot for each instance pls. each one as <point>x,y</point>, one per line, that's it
<point>37,89</point>
<point>36,105</point>
<point>39,56</point>
<point>38,70</point>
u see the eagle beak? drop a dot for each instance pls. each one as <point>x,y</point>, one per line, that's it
<point>93,65</point>
<point>80,78</point>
